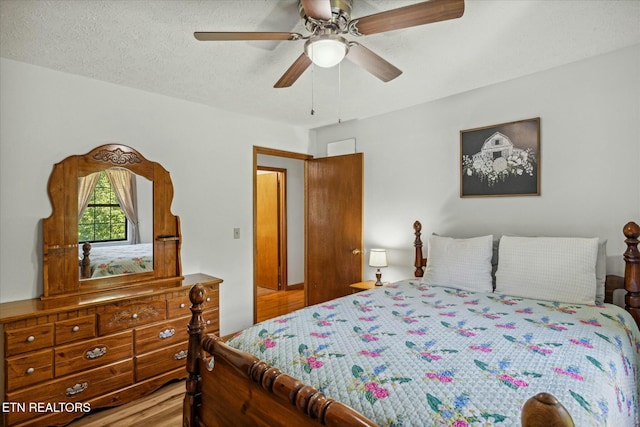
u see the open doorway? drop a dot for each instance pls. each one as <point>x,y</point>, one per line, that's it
<point>279,218</point>
<point>324,228</point>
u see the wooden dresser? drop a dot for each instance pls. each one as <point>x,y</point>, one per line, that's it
<point>64,357</point>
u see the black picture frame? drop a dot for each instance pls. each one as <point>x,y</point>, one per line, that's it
<point>501,160</point>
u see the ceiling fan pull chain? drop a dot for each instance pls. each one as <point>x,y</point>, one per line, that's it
<point>313,111</point>
<point>340,93</point>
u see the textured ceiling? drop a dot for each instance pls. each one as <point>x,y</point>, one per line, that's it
<point>149,45</point>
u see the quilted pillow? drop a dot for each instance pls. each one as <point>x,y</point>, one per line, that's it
<point>549,268</point>
<point>460,263</point>
<point>601,271</point>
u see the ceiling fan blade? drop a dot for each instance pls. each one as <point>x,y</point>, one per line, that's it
<point>409,16</point>
<point>284,14</point>
<point>230,36</point>
<point>317,9</point>
<point>291,75</point>
<point>371,62</point>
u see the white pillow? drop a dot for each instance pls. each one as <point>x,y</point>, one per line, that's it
<point>601,271</point>
<point>549,268</point>
<point>460,263</point>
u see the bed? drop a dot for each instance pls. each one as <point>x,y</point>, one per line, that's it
<point>103,261</point>
<point>419,353</point>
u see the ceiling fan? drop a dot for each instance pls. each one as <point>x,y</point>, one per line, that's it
<point>328,20</point>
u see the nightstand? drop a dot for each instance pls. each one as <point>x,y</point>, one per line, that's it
<point>363,286</point>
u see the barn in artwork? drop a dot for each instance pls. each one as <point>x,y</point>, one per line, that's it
<point>496,146</point>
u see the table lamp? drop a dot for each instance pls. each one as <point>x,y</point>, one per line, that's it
<point>378,258</point>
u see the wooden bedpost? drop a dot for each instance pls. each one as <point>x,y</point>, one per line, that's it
<point>632,270</point>
<point>417,243</point>
<point>194,380</point>
<point>544,410</point>
<point>85,263</point>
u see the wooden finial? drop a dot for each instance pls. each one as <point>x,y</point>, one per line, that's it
<point>417,243</point>
<point>544,410</point>
<point>85,263</point>
<point>196,294</point>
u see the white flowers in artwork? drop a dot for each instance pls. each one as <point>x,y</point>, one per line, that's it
<point>492,170</point>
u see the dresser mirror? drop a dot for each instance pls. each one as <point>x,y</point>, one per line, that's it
<point>144,246</point>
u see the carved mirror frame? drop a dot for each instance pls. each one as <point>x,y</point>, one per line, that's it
<point>60,230</point>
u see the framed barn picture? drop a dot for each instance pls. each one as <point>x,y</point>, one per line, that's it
<point>501,160</point>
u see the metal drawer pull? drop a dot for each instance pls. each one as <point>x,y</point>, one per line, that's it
<point>96,352</point>
<point>180,355</point>
<point>75,328</point>
<point>167,333</point>
<point>134,316</point>
<point>208,299</point>
<point>78,388</point>
<point>30,371</point>
<point>182,305</point>
<point>31,338</point>
<point>208,322</point>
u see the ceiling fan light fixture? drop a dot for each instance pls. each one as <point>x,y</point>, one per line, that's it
<point>326,50</point>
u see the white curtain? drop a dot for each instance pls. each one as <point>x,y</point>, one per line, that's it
<point>123,183</point>
<point>86,185</point>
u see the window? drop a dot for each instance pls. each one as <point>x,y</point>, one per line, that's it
<point>103,220</point>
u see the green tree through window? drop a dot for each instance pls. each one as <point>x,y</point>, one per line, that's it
<point>103,220</point>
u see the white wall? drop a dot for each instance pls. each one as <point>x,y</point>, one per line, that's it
<point>590,147</point>
<point>46,116</point>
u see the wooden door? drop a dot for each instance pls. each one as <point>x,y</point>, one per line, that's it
<point>267,230</point>
<point>334,207</point>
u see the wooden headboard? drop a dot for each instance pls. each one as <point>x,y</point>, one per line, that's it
<point>630,282</point>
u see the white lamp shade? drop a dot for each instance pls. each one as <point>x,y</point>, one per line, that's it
<point>378,258</point>
<point>326,51</point>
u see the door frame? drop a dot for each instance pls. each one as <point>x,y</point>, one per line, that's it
<point>268,152</point>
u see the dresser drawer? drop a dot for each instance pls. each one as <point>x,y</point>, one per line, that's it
<point>212,320</point>
<point>75,388</point>
<point>157,362</point>
<point>75,329</point>
<point>129,315</point>
<point>160,335</point>
<point>212,298</point>
<point>28,339</point>
<point>181,306</point>
<point>29,369</point>
<point>177,307</point>
<point>93,353</point>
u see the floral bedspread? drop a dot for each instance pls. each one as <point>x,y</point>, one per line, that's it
<point>122,259</point>
<point>408,354</point>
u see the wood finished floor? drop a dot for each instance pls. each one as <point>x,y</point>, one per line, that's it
<point>164,407</point>
<point>274,304</point>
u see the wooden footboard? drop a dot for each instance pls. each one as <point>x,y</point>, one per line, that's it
<point>227,387</point>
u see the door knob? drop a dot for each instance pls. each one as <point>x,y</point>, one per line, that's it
<point>355,251</point>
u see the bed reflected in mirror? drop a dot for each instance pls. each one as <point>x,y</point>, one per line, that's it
<point>115,224</point>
